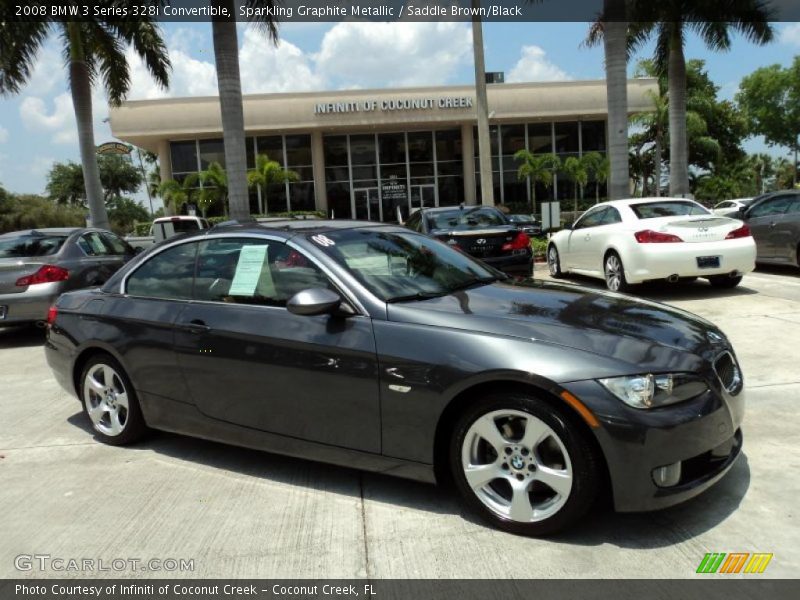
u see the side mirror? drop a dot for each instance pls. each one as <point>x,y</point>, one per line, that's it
<point>314,301</point>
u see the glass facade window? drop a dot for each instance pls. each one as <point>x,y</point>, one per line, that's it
<point>183,156</point>
<point>272,146</point>
<point>593,136</point>
<point>567,137</point>
<point>211,151</point>
<point>540,138</point>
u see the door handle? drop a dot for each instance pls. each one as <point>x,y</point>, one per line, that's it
<point>196,326</point>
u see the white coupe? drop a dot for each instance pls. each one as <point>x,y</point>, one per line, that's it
<point>636,240</point>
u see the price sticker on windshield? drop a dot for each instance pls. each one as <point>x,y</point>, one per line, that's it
<point>323,240</point>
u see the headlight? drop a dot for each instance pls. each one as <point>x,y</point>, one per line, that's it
<point>652,391</point>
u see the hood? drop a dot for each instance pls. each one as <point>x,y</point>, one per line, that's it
<point>645,335</point>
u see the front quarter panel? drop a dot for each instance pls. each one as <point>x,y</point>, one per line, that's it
<point>427,366</point>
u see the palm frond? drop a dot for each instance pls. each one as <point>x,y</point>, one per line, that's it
<point>109,62</point>
<point>19,46</point>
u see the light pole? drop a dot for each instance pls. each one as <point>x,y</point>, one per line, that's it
<point>482,111</point>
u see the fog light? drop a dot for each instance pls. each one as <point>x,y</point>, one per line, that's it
<point>668,475</point>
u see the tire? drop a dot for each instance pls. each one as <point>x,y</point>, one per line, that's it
<point>554,262</point>
<point>110,402</point>
<point>503,479</point>
<point>614,272</point>
<point>724,281</point>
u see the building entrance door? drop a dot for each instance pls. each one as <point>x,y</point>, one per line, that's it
<point>423,196</point>
<point>366,204</point>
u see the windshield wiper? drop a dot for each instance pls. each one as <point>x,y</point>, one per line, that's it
<point>418,296</point>
<point>469,283</point>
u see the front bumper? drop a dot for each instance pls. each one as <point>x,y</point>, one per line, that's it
<point>659,261</point>
<point>702,434</point>
<point>28,306</point>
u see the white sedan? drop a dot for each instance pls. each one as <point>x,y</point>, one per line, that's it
<point>636,240</point>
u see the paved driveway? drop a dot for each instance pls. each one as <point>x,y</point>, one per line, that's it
<point>240,513</point>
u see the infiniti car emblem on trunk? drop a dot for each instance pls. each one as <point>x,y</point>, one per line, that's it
<point>480,241</point>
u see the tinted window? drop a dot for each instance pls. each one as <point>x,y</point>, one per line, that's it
<point>403,264</point>
<point>611,216</point>
<point>521,219</point>
<point>253,271</point>
<point>593,218</point>
<point>30,245</point>
<point>466,218</point>
<point>667,208</point>
<point>772,206</point>
<point>116,245</point>
<point>794,207</point>
<point>414,222</point>
<point>168,274</point>
<point>92,244</point>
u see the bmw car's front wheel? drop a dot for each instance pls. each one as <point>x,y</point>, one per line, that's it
<point>110,401</point>
<point>522,465</point>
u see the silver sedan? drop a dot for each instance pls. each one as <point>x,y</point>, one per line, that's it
<point>37,265</point>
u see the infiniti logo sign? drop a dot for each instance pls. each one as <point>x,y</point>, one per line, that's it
<point>481,242</point>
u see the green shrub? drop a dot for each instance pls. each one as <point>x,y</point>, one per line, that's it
<point>539,246</point>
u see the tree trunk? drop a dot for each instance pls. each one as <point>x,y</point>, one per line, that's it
<point>533,198</point>
<point>81,89</point>
<point>482,111</point>
<point>678,146</point>
<point>226,56</point>
<point>614,42</point>
<point>657,166</point>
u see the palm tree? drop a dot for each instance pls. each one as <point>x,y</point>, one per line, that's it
<point>177,193</point>
<point>597,166</point>
<point>577,171</point>
<point>226,56</point>
<point>670,21</point>
<point>267,173</point>
<point>95,50</point>
<point>215,188</point>
<point>612,27</point>
<point>655,123</point>
<point>539,168</point>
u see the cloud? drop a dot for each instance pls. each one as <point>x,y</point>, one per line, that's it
<point>265,67</point>
<point>49,71</point>
<point>790,34</point>
<point>533,65</point>
<point>3,135</point>
<point>59,119</point>
<point>361,54</point>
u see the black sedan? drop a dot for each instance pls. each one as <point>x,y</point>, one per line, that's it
<point>379,348</point>
<point>527,223</point>
<point>481,231</point>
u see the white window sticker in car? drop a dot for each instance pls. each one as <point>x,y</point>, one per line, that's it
<point>252,273</point>
<point>323,240</point>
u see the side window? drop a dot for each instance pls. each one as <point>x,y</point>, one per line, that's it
<point>592,218</point>
<point>611,216</point>
<point>253,271</point>
<point>92,244</point>
<point>773,206</point>
<point>414,222</point>
<point>115,245</point>
<point>168,274</point>
<point>794,207</point>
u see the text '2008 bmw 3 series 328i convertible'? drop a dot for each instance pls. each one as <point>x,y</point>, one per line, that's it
<point>380,348</point>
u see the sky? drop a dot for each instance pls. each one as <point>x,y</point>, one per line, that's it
<point>37,126</point>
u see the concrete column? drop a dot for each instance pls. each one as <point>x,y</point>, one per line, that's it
<point>164,160</point>
<point>468,150</point>
<point>318,160</point>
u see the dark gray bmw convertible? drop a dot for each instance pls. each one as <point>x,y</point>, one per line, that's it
<point>376,347</point>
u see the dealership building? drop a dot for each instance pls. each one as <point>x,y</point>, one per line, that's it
<point>364,153</point>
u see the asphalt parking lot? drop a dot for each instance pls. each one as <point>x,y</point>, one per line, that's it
<point>241,513</point>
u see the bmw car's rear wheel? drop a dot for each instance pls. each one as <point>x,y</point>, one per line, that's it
<point>110,402</point>
<point>553,262</point>
<point>518,463</point>
<point>615,273</point>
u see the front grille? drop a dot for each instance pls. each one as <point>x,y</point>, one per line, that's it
<point>728,372</point>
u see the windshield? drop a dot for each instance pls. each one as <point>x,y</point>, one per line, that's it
<point>466,218</point>
<point>668,208</point>
<point>403,265</point>
<point>520,218</point>
<point>27,245</point>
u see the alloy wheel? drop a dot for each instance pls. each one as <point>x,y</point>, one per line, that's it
<point>517,466</point>
<point>106,400</point>
<point>613,273</point>
<point>552,261</point>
